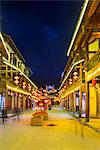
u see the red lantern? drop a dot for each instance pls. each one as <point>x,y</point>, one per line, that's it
<point>41,104</point>
<point>94,82</point>
<point>70,81</point>
<point>8,92</point>
<point>46,101</point>
<point>16,80</point>
<point>24,85</point>
<point>36,101</point>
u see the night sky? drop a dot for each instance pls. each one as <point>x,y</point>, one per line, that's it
<point>42,31</point>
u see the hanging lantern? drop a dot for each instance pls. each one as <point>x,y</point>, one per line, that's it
<point>75,75</point>
<point>29,87</point>
<point>62,89</point>
<point>36,101</point>
<point>41,104</point>
<point>11,93</point>
<point>46,101</point>
<point>29,97</point>
<point>16,80</point>
<point>36,107</point>
<point>94,81</point>
<point>8,92</point>
<point>41,97</point>
<point>16,77</point>
<point>70,81</point>
<point>33,91</point>
<point>16,94</point>
<point>20,95</point>
<point>64,86</point>
<point>24,85</point>
<point>67,84</point>
<point>46,94</point>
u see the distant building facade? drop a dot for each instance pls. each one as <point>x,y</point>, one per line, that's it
<point>15,86</point>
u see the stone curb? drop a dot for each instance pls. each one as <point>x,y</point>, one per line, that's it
<point>85,123</point>
<point>92,127</point>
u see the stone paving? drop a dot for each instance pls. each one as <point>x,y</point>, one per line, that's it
<point>67,134</point>
<point>94,123</point>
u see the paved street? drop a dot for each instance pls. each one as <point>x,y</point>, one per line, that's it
<point>67,134</point>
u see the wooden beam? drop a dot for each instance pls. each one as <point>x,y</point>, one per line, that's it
<point>96,34</point>
<point>4,71</point>
<point>93,8</point>
<point>91,26</point>
<point>92,51</point>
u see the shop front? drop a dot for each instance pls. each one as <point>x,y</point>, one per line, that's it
<point>77,100</point>
<point>93,78</point>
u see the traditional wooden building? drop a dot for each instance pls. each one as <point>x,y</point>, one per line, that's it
<point>15,85</point>
<point>80,86</point>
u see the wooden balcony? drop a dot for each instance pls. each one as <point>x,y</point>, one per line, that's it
<point>94,72</point>
<point>74,87</point>
<point>93,61</point>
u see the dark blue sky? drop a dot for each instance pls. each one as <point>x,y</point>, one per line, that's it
<point>42,31</point>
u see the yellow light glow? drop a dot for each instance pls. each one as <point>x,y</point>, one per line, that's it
<point>89,76</point>
<point>67,93</point>
<point>77,26</point>
<point>93,104</point>
<point>36,108</point>
<point>36,101</point>
<point>17,90</point>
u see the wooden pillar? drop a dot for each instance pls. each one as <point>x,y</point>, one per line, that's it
<point>16,100</point>
<point>67,102</point>
<point>74,102</point>
<point>11,70</point>
<point>6,94</point>
<point>3,100</point>
<point>24,102</point>
<point>87,85</point>
<point>12,102</point>
<point>19,101</point>
<point>31,103</point>
<point>80,105</point>
<point>71,102</point>
<point>87,102</point>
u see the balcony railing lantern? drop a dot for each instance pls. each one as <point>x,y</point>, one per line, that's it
<point>24,85</point>
<point>70,81</point>
<point>16,80</point>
